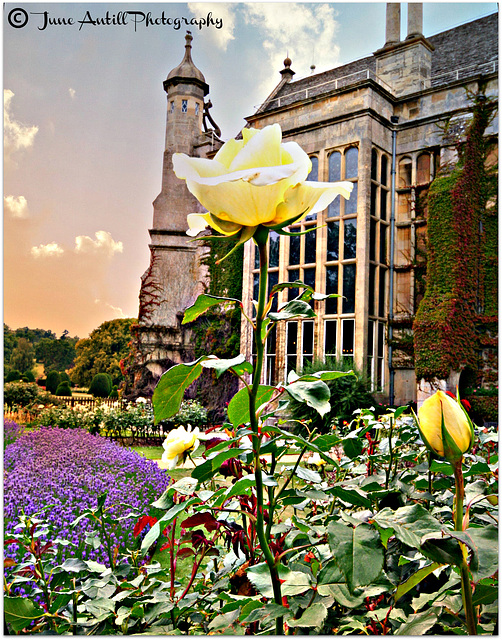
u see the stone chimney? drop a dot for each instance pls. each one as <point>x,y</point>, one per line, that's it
<point>404,65</point>
<point>392,24</point>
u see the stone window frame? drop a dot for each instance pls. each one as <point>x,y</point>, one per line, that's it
<point>378,259</point>
<point>341,216</point>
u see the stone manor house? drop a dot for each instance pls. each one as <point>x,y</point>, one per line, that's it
<point>387,122</point>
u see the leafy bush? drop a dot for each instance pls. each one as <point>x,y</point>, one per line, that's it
<point>13,374</point>
<point>191,412</point>
<point>20,394</point>
<point>64,377</point>
<point>78,417</point>
<point>29,376</point>
<point>101,385</point>
<point>53,379</point>
<point>63,389</point>
<point>114,393</point>
<point>348,393</point>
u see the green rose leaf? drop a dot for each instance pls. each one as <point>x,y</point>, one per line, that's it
<point>292,582</point>
<point>409,523</point>
<point>238,407</point>
<point>358,552</point>
<point>314,393</point>
<point>163,522</point>
<point>238,364</point>
<point>313,616</point>
<point>19,612</point>
<point>418,623</point>
<point>415,579</point>
<point>205,302</point>
<point>294,309</point>
<point>352,495</point>
<point>267,612</point>
<point>297,284</point>
<point>171,387</point>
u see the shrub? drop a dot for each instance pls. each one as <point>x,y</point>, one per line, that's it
<point>79,417</point>
<point>20,394</point>
<point>191,412</point>
<point>14,374</point>
<point>114,393</point>
<point>52,381</point>
<point>63,389</point>
<point>101,385</point>
<point>64,377</point>
<point>348,393</point>
<point>69,470</point>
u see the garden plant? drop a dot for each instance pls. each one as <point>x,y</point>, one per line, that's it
<point>388,527</point>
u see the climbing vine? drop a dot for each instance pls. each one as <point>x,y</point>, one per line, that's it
<point>460,258</point>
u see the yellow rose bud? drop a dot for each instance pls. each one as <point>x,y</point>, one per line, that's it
<point>258,180</point>
<point>445,427</point>
<point>178,443</point>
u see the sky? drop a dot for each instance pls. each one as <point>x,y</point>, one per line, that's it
<point>84,127</point>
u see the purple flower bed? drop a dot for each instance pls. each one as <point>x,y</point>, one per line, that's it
<point>66,471</point>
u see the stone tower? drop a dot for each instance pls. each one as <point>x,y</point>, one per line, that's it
<point>174,277</point>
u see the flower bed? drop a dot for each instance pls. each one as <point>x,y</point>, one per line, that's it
<point>66,471</point>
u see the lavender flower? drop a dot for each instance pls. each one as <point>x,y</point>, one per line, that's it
<point>65,471</point>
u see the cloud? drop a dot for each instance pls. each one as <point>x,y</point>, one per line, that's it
<point>55,286</point>
<point>304,32</point>
<point>72,93</point>
<point>220,10</point>
<point>17,136</point>
<point>17,206</point>
<point>117,311</point>
<point>47,250</point>
<point>103,244</point>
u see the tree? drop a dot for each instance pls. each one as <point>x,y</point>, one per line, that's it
<point>56,355</point>
<point>102,351</point>
<point>22,356</point>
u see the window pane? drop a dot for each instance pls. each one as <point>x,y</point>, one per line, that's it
<point>371,329</point>
<point>290,364</point>
<point>256,285</point>
<point>371,290</point>
<point>381,292</point>
<point>313,175</point>
<point>309,277</point>
<point>351,156</point>
<point>404,173</point>
<point>333,241</point>
<point>423,169</point>
<point>347,337</point>
<point>383,243</point>
<point>293,274</point>
<point>380,339</point>
<point>332,287</point>
<point>256,258</point>
<point>272,341</point>
<point>334,208</point>
<point>310,244</point>
<point>330,337</point>
<point>383,204</point>
<point>373,201</point>
<point>383,171</point>
<point>308,337</point>
<point>184,106</point>
<point>273,279</point>
<point>274,249</point>
<point>291,337</point>
<point>294,250</point>
<point>374,164</point>
<point>349,239</point>
<point>349,288</point>
<point>351,203</point>
<point>373,225</point>
<point>334,166</point>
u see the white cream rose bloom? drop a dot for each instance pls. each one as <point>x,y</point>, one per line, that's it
<point>258,180</point>
<point>178,443</point>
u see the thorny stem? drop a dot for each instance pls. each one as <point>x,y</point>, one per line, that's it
<point>464,570</point>
<point>261,241</point>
